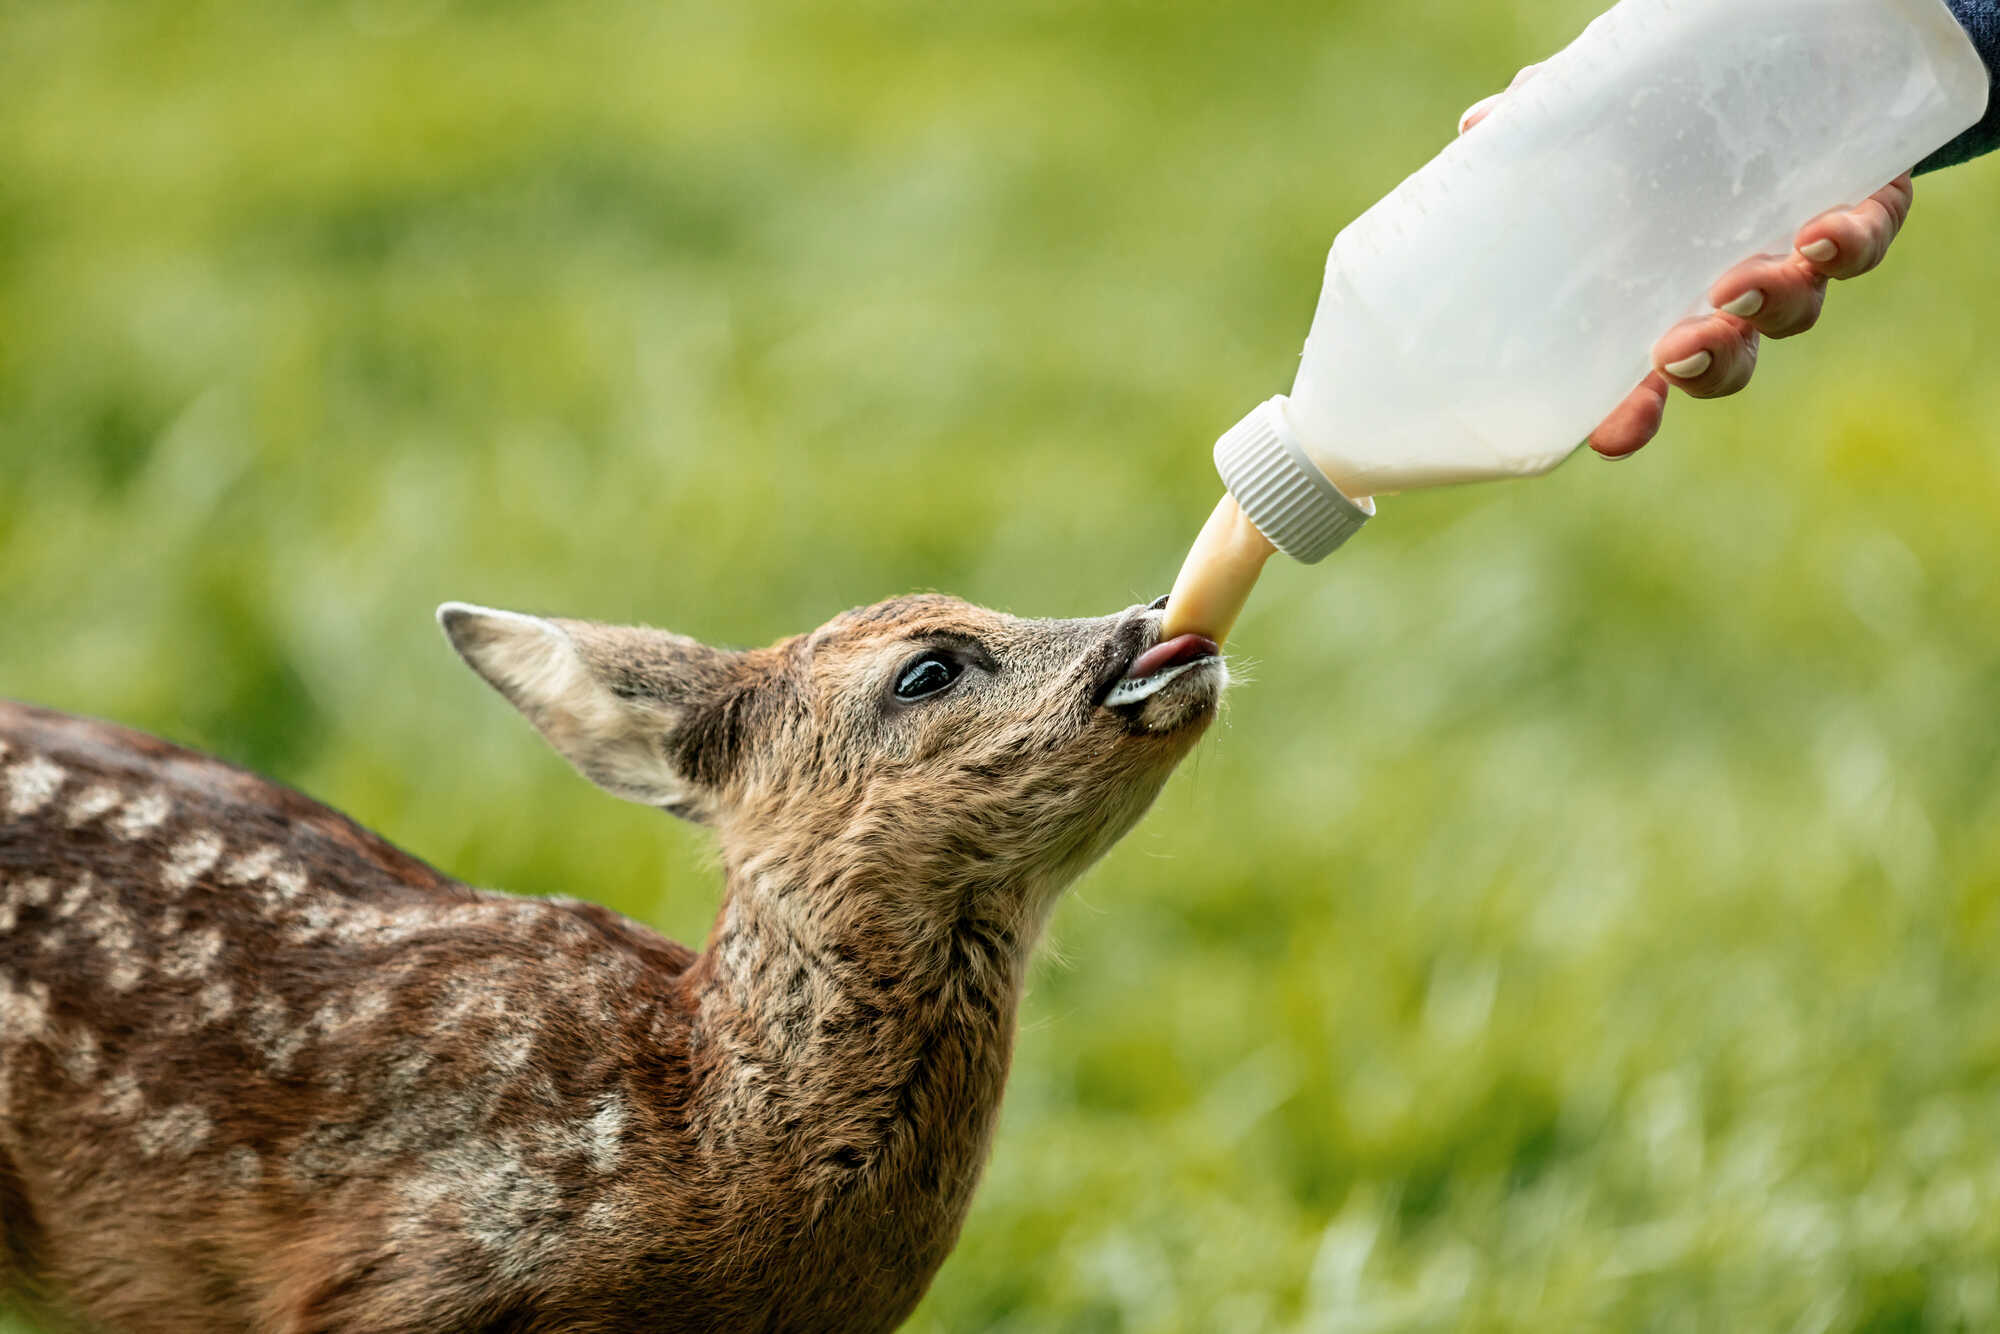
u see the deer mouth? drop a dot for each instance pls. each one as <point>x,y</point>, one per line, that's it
<point>1158,667</point>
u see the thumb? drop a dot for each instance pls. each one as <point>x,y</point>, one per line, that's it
<point>1477,112</point>
<point>1483,108</point>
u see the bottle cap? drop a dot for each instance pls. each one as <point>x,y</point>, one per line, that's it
<point>1289,499</point>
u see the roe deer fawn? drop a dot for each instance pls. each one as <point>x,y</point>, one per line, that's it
<point>261,1071</point>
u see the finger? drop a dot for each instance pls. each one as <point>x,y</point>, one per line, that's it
<point>1847,245</point>
<point>1478,111</point>
<point>1780,295</point>
<point>1897,198</point>
<point>1634,422</point>
<point>1709,356</point>
<point>1850,242</point>
<point>1483,108</point>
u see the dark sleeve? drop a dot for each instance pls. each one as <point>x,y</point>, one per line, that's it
<point>1982,19</point>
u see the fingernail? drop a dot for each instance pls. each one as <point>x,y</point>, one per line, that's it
<point>1690,367</point>
<point>1819,252</point>
<point>1743,307</point>
<point>1475,109</point>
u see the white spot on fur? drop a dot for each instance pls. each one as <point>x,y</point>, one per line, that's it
<point>122,1098</point>
<point>24,1011</point>
<point>179,1130</point>
<point>241,1167</point>
<point>267,866</point>
<point>12,896</point>
<point>114,932</point>
<point>82,1057</point>
<point>37,891</point>
<point>312,918</point>
<point>472,996</point>
<point>90,803</point>
<point>253,865</point>
<point>103,917</point>
<point>375,927</point>
<point>190,859</point>
<point>511,1053</point>
<point>407,1072</point>
<point>603,1133</point>
<point>328,1019</point>
<point>191,956</point>
<point>272,1032</point>
<point>323,1152</point>
<point>370,1004</point>
<point>500,1202</point>
<point>215,1002</point>
<point>606,979</point>
<point>78,895</point>
<point>31,785</point>
<point>361,1009</point>
<point>143,816</point>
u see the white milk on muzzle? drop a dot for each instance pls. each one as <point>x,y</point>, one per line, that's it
<point>1484,317</point>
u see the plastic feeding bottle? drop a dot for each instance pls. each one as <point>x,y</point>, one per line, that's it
<point>1484,317</point>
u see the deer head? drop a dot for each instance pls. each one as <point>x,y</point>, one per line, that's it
<point>901,769</point>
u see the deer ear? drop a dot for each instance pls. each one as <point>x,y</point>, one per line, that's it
<point>611,719</point>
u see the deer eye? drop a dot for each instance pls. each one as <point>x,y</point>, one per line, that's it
<point>928,675</point>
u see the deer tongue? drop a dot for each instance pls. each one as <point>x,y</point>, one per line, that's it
<point>1171,653</point>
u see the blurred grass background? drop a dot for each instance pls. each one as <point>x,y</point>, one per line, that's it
<point>1586,918</point>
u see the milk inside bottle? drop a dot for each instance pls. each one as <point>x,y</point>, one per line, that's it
<point>1480,320</point>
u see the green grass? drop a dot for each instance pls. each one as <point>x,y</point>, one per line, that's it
<point>1586,919</point>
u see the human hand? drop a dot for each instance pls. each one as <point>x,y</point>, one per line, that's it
<point>1769,296</point>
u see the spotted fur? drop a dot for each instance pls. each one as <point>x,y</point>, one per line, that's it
<point>261,1071</point>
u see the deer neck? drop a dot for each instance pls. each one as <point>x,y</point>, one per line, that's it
<point>859,1034</point>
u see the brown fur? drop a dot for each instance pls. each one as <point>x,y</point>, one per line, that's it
<point>261,1071</point>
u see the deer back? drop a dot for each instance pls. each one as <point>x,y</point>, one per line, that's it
<point>245,1042</point>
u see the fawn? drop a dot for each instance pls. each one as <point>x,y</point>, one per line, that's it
<point>262,1071</point>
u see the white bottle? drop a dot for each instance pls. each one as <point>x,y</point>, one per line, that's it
<point>1485,316</point>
